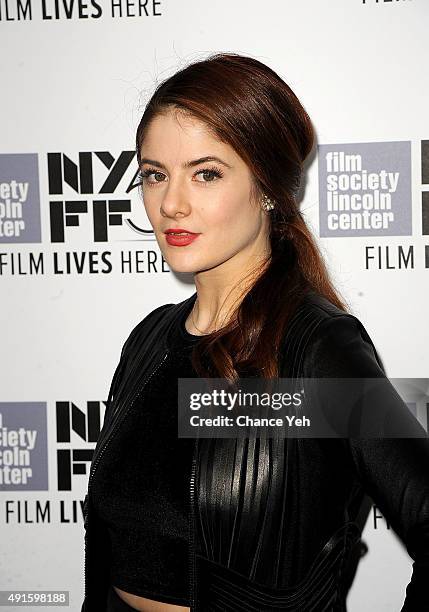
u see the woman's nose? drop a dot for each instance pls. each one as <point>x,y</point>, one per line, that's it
<point>175,203</point>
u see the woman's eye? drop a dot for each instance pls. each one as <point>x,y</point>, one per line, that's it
<point>147,173</point>
<point>209,174</point>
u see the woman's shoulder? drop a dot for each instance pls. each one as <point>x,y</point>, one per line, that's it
<point>146,325</point>
<point>325,340</point>
<point>156,323</point>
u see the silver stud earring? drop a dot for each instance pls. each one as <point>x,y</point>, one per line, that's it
<point>267,203</point>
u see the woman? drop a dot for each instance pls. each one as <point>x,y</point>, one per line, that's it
<point>178,524</point>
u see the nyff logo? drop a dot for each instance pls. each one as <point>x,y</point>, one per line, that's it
<point>87,426</point>
<point>365,189</point>
<point>19,198</point>
<point>78,178</point>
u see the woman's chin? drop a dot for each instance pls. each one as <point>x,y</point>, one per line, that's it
<point>181,267</point>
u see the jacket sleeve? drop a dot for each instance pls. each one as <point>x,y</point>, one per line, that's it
<point>393,471</point>
<point>133,337</point>
<point>97,543</point>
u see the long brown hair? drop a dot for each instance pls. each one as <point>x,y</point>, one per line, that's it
<point>248,106</point>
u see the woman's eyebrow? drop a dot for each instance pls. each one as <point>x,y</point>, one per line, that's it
<point>188,164</point>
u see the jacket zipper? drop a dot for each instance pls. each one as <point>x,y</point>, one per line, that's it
<point>102,450</point>
<point>192,602</point>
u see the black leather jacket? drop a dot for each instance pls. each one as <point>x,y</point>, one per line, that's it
<point>276,524</point>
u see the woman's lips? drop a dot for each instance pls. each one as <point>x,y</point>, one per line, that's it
<point>180,240</point>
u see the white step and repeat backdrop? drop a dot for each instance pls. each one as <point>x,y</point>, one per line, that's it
<point>77,272</point>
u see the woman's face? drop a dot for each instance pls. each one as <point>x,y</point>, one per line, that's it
<point>210,198</point>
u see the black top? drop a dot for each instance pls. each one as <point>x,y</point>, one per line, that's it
<point>141,487</point>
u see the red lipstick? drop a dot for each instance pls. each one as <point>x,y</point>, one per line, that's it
<point>179,237</point>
